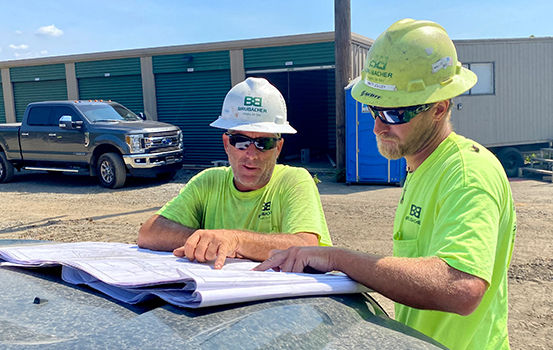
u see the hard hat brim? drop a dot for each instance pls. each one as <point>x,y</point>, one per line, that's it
<point>266,127</point>
<point>460,83</point>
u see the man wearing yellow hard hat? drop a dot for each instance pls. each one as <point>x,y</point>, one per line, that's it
<point>455,222</point>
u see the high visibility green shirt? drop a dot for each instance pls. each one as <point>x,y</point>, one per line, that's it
<point>289,203</point>
<point>458,206</point>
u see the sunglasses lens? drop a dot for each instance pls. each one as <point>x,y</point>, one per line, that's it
<point>240,142</point>
<point>393,116</point>
<point>243,142</point>
<point>265,143</point>
<point>399,115</point>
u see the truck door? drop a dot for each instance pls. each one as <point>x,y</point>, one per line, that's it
<point>67,145</point>
<point>35,133</point>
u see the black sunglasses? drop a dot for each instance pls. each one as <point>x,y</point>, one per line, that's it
<point>402,115</point>
<point>242,142</point>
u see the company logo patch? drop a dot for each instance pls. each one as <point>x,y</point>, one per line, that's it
<point>415,211</point>
<point>369,94</point>
<point>252,101</point>
<point>253,104</point>
<point>414,214</point>
<point>265,210</point>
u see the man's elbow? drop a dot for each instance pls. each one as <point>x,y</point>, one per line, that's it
<point>469,297</point>
<point>144,234</point>
<point>309,239</point>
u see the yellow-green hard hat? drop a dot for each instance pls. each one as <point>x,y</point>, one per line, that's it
<point>412,63</point>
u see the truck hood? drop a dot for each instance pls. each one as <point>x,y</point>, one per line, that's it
<point>145,126</point>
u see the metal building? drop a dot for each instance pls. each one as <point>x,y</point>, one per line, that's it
<point>512,101</point>
<point>185,85</point>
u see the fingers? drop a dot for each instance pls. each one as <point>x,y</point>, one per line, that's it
<point>298,259</point>
<point>208,245</point>
<point>276,258</point>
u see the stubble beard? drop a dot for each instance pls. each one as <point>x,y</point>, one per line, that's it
<point>419,138</point>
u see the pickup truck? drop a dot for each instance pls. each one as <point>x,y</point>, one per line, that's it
<point>100,138</point>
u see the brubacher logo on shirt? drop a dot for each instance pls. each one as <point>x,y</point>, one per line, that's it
<point>265,210</point>
<point>414,215</point>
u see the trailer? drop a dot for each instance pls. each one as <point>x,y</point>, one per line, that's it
<point>509,110</point>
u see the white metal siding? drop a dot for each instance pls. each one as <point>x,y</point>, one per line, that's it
<point>521,109</point>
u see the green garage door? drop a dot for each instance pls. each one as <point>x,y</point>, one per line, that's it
<point>190,91</point>
<point>37,83</point>
<point>2,106</point>
<point>116,80</point>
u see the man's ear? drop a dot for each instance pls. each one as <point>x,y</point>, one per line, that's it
<point>279,146</point>
<point>225,142</point>
<point>441,109</point>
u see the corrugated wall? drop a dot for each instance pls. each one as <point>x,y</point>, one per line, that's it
<point>117,80</point>
<point>190,90</point>
<point>37,83</point>
<point>2,107</point>
<point>310,94</point>
<point>358,55</point>
<point>520,110</point>
<point>292,56</point>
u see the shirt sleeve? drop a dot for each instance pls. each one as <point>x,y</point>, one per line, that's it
<point>466,232</point>
<point>303,211</point>
<point>187,207</point>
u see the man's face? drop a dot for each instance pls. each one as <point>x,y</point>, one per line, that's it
<point>251,167</point>
<point>397,141</point>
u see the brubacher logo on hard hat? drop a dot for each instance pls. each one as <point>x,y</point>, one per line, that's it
<point>254,105</point>
<point>255,102</point>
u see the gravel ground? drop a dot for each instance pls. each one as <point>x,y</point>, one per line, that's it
<point>70,208</point>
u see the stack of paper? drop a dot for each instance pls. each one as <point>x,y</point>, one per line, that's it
<point>130,274</point>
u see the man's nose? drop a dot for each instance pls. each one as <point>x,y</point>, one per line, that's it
<point>380,127</point>
<point>251,151</point>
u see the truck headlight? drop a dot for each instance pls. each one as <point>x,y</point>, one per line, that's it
<point>135,143</point>
<point>181,139</point>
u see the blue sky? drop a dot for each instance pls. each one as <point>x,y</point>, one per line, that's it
<point>38,28</point>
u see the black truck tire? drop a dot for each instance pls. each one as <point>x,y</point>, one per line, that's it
<point>6,169</point>
<point>111,170</point>
<point>511,159</point>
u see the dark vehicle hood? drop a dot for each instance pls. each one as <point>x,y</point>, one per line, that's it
<point>145,126</point>
<point>39,310</point>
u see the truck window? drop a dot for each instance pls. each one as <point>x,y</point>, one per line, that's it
<point>39,116</point>
<point>106,112</point>
<point>60,111</point>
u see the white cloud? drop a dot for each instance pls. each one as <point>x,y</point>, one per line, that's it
<point>49,31</point>
<point>20,47</point>
<point>18,32</point>
<point>22,55</point>
<point>44,52</point>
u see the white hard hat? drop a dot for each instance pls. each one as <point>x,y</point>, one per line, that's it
<point>254,105</point>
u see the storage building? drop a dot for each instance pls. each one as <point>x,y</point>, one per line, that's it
<point>186,85</point>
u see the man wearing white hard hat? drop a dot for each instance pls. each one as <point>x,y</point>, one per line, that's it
<point>254,205</point>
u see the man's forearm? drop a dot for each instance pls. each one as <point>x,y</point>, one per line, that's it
<point>159,233</point>
<point>256,246</point>
<point>424,283</point>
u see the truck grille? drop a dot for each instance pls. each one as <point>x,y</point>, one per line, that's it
<point>161,142</point>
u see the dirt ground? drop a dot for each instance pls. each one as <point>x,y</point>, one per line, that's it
<point>68,208</point>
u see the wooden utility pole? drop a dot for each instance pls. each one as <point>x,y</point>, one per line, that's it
<point>342,50</point>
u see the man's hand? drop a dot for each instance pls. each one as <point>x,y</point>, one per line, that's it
<point>208,245</point>
<point>297,259</point>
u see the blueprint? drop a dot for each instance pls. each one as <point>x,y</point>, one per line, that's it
<point>132,275</point>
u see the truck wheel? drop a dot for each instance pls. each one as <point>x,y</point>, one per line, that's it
<point>511,159</point>
<point>111,170</point>
<point>6,168</point>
